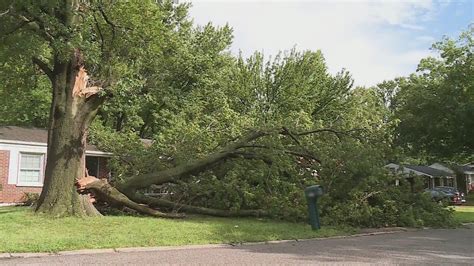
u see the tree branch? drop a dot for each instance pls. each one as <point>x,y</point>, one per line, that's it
<point>286,131</point>
<point>19,26</point>
<point>195,166</point>
<point>304,154</point>
<point>4,13</point>
<point>35,26</point>
<point>155,202</point>
<point>103,190</point>
<point>100,33</point>
<point>107,20</point>
<point>338,134</point>
<point>335,132</point>
<point>199,165</point>
<point>44,67</point>
<point>252,156</point>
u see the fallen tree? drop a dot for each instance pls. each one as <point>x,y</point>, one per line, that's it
<point>127,194</point>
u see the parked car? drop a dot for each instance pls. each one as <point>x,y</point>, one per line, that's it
<point>454,191</point>
<point>449,194</point>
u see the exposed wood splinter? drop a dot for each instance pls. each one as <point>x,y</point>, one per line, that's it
<point>80,85</point>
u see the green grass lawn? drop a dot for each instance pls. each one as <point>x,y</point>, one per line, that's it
<point>470,199</point>
<point>464,214</point>
<point>21,231</point>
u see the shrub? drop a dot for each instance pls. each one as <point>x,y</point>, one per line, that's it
<point>379,203</point>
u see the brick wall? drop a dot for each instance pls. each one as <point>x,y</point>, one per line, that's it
<point>11,193</point>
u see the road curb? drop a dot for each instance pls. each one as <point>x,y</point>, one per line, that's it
<point>29,255</point>
<point>322,238</point>
<point>187,247</point>
<point>164,248</point>
<point>86,251</point>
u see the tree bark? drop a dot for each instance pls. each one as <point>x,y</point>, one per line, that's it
<point>64,164</point>
<point>195,166</point>
<point>155,202</point>
<point>71,114</point>
<point>199,165</point>
<point>105,192</point>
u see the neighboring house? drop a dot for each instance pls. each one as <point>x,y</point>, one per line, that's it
<point>466,171</point>
<point>23,159</point>
<point>432,177</point>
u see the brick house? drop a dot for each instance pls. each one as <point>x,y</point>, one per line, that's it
<point>23,159</point>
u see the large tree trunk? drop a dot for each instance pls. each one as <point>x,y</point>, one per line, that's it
<point>71,114</point>
<point>65,163</point>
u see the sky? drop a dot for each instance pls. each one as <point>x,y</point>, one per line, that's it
<point>374,40</point>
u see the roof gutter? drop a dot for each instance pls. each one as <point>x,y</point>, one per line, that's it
<point>41,144</point>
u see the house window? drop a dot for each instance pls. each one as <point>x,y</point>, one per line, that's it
<point>31,169</point>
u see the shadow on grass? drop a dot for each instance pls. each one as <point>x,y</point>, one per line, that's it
<point>12,209</point>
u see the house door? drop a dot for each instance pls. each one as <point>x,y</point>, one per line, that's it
<point>450,182</point>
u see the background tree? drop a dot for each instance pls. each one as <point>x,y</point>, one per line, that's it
<point>434,106</point>
<point>32,97</point>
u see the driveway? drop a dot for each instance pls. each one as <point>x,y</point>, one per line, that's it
<point>450,246</point>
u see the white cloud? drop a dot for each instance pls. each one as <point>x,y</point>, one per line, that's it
<point>372,39</point>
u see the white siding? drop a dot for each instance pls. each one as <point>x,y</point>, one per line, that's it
<point>15,151</point>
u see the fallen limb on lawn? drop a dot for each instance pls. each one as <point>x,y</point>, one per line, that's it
<point>155,202</point>
<point>104,191</point>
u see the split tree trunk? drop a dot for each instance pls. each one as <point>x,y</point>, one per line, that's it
<point>71,114</point>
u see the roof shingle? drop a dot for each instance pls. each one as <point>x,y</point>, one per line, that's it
<point>428,170</point>
<point>31,134</point>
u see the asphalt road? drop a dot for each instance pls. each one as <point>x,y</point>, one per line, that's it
<point>445,247</point>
